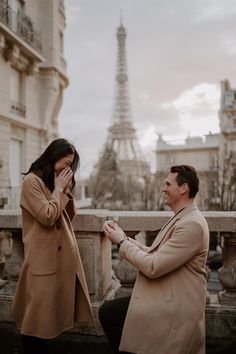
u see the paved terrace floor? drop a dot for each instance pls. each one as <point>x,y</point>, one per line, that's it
<point>69,343</point>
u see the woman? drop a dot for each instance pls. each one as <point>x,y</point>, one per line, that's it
<point>52,292</point>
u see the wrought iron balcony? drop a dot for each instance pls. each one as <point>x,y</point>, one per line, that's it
<point>18,108</point>
<point>20,24</point>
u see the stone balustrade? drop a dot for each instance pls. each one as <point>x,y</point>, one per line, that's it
<point>96,256</point>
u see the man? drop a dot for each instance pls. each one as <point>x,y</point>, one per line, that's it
<point>166,312</point>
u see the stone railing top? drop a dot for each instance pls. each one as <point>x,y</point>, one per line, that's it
<point>10,219</point>
<point>93,219</point>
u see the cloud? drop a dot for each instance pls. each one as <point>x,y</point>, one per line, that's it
<point>197,109</point>
<point>214,10</point>
<point>229,42</point>
<point>193,99</point>
<point>147,137</point>
<point>144,98</point>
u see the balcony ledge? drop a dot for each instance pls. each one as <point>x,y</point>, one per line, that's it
<point>26,49</point>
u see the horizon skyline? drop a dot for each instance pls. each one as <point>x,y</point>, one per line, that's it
<point>160,103</point>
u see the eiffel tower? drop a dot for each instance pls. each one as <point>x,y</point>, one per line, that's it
<point>118,179</point>
<point>122,139</point>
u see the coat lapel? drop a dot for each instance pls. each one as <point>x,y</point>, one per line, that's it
<point>169,224</point>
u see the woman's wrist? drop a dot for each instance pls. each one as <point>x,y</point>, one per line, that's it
<point>59,189</point>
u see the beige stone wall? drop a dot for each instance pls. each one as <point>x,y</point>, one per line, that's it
<point>201,159</point>
<point>39,77</point>
<point>198,153</point>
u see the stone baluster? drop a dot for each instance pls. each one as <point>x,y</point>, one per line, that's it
<point>214,257</point>
<point>13,261</point>
<point>208,298</point>
<point>125,273</point>
<point>150,237</point>
<point>13,254</point>
<point>5,253</point>
<point>227,274</point>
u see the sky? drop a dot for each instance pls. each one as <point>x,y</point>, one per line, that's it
<point>177,53</point>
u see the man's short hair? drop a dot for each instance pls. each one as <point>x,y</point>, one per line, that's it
<point>187,174</point>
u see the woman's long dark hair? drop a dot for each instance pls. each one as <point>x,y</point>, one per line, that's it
<point>44,165</point>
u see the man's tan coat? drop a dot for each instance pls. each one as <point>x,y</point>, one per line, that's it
<point>167,307</point>
<point>52,291</point>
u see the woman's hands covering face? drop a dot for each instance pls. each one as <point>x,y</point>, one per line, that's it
<point>63,181</point>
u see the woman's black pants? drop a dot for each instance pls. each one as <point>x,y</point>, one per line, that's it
<point>112,315</point>
<point>34,345</point>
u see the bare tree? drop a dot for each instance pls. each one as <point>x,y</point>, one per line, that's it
<point>154,191</point>
<point>223,186</point>
<point>111,188</point>
<point>105,185</point>
<point>227,179</point>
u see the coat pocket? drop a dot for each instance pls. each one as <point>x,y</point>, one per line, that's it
<point>44,256</point>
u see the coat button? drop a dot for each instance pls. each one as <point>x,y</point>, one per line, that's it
<point>59,248</point>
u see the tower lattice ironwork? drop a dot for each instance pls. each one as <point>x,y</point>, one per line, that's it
<point>122,138</point>
<point>119,178</point>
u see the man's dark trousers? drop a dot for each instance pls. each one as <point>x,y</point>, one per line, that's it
<point>112,315</point>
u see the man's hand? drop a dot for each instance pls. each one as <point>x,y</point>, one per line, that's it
<point>114,232</point>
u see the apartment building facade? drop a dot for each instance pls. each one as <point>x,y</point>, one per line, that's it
<point>32,80</point>
<point>214,157</point>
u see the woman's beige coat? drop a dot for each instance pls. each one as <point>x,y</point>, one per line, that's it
<point>167,307</point>
<point>52,292</point>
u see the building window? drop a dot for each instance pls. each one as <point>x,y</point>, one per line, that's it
<point>17,83</point>
<point>15,162</point>
<point>15,170</point>
<point>214,161</point>
<point>16,5</point>
<point>17,8</point>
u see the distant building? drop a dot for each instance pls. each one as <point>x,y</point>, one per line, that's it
<point>196,151</point>
<point>33,77</point>
<point>214,157</point>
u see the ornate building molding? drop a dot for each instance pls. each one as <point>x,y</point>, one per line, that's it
<point>13,54</point>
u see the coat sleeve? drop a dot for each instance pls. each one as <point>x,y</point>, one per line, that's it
<point>138,244</point>
<point>184,243</point>
<point>34,200</point>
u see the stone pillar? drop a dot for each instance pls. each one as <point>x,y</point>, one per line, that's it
<point>95,251</point>
<point>227,274</point>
